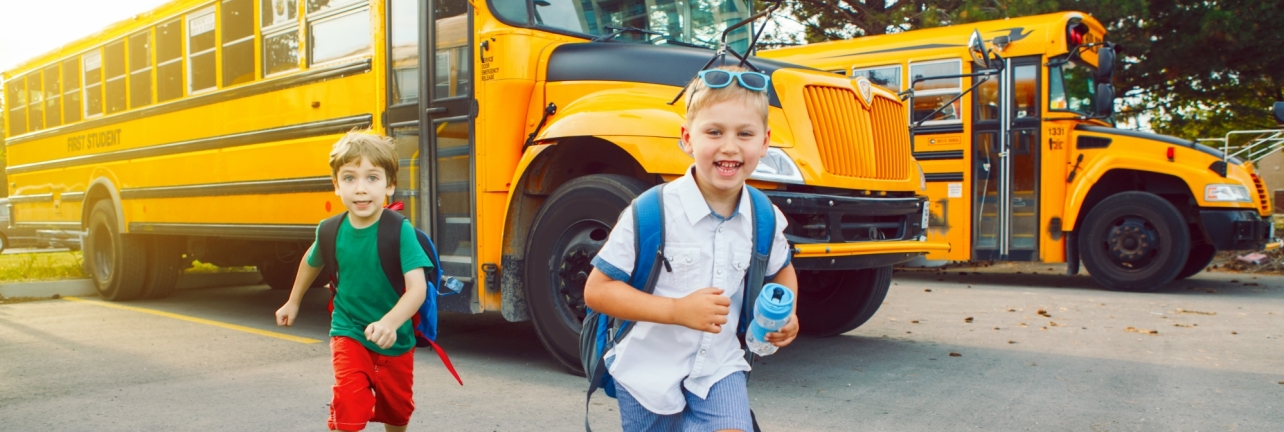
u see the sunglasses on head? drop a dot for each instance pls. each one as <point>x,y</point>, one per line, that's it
<point>718,78</point>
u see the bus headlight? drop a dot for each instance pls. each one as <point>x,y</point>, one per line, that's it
<point>1226,193</point>
<point>777,167</point>
<point>922,178</point>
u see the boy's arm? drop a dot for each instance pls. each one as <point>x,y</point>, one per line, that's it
<point>384,331</point>
<point>704,310</point>
<point>302,281</point>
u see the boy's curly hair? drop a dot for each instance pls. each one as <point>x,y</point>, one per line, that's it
<point>700,96</point>
<point>355,145</point>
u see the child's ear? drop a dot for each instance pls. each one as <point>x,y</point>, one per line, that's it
<point>334,179</point>
<point>766,142</point>
<point>685,142</point>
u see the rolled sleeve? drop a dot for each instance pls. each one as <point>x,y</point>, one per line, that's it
<point>781,255</point>
<point>314,256</point>
<point>618,255</point>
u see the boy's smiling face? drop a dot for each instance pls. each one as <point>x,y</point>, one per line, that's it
<point>727,139</point>
<point>364,188</point>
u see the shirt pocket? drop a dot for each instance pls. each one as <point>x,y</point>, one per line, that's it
<point>685,261</point>
<point>740,260</point>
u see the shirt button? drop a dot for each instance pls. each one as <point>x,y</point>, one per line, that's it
<point>701,352</point>
<point>688,260</point>
<point>719,271</point>
<point>719,229</point>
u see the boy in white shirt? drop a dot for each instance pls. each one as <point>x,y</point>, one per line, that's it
<point>681,367</point>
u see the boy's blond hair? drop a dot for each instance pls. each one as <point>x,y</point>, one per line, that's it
<point>701,96</point>
<point>355,145</point>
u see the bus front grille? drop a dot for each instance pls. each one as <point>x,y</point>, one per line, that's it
<point>855,142</point>
<point>1261,193</point>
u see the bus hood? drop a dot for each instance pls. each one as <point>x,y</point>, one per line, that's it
<point>1159,138</point>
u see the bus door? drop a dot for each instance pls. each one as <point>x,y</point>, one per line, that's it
<point>444,129</point>
<point>1005,164</point>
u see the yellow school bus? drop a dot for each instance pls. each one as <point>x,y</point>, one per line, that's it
<point>1030,167</point>
<point>200,130</point>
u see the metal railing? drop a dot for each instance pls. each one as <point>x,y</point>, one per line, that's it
<point>1266,142</point>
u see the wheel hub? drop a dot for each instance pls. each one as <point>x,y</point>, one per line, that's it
<point>573,263</point>
<point>1132,242</point>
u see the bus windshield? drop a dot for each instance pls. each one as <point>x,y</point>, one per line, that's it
<point>695,22</point>
<point>1071,88</point>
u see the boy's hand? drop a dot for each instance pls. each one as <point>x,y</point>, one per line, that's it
<point>705,310</point>
<point>786,333</point>
<point>285,315</point>
<point>382,334</point>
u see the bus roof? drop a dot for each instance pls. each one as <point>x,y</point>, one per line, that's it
<point>1037,34</point>
<point>116,30</point>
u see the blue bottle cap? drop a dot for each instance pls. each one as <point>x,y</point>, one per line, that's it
<point>775,302</point>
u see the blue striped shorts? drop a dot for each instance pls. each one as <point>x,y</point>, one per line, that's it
<point>727,407</point>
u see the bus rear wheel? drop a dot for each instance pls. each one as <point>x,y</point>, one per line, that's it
<point>116,261</point>
<point>1200,257</point>
<point>834,302</point>
<point>164,267</point>
<point>1134,241</point>
<point>568,231</point>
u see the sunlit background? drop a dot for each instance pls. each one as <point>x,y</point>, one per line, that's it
<point>30,28</point>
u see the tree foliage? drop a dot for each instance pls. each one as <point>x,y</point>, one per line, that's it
<point>1191,68</point>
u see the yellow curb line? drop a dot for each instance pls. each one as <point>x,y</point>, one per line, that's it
<point>198,320</point>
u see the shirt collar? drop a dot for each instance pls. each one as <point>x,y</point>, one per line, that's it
<point>693,203</point>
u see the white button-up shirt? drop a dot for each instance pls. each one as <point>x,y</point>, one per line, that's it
<point>655,361</point>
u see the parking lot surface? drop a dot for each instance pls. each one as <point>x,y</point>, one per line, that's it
<point>957,349</point>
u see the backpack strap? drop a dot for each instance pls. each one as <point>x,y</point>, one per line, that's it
<point>389,246</point>
<point>327,236</point>
<point>764,234</point>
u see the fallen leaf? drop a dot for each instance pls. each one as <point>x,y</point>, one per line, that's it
<point>1011,310</point>
<point>1182,325</point>
<point>954,354</point>
<point>914,322</point>
<point>927,290</point>
<point>996,328</point>
<point>968,319</point>
<point>1044,312</point>
<point>1052,324</point>
<point>1179,310</point>
<point>1137,330</point>
<point>1012,342</point>
<point>1235,333</point>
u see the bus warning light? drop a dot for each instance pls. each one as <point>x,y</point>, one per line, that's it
<point>1171,153</point>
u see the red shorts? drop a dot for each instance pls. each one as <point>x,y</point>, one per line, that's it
<point>369,386</point>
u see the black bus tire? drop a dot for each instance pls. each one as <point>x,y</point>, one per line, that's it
<point>116,262</point>
<point>571,226</point>
<point>164,267</point>
<point>834,302</point>
<point>1200,257</point>
<point>1134,241</point>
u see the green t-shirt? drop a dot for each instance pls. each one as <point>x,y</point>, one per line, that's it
<point>364,294</point>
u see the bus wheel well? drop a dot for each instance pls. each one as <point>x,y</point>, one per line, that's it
<point>1171,188</point>
<point>96,192</point>
<point>570,158</point>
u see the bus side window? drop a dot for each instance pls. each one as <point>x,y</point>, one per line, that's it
<point>114,67</point>
<point>169,61</point>
<point>200,51</point>
<point>71,106</point>
<point>53,97</point>
<point>16,98</point>
<point>512,10</point>
<point>886,76</point>
<point>35,103</point>
<point>403,40</point>
<point>987,100</point>
<point>933,94</point>
<point>93,83</point>
<point>340,35</point>
<point>238,41</point>
<point>280,22</point>
<point>140,70</point>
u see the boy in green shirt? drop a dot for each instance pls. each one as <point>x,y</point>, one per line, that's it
<point>371,338</point>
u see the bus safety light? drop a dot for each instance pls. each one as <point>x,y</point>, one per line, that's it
<point>1171,154</point>
<point>1076,36</point>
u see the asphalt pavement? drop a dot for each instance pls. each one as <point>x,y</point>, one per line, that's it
<point>953,349</point>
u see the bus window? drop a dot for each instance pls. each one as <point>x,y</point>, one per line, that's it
<point>315,6</point>
<point>707,19</point>
<point>35,102</point>
<point>1026,91</point>
<point>933,94</point>
<point>169,61</point>
<point>71,105</point>
<point>339,37</point>
<point>93,84</point>
<point>886,76</point>
<point>53,97</point>
<point>451,61</point>
<point>200,51</point>
<point>280,20</point>
<point>404,50</point>
<point>140,70</point>
<point>114,68</point>
<point>1071,88</point>
<point>238,41</point>
<point>987,100</point>
<point>16,96</point>
<point>512,10</point>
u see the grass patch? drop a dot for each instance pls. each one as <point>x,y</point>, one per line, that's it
<point>200,267</point>
<point>42,266</point>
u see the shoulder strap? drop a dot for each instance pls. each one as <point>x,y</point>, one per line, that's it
<point>327,236</point>
<point>389,244</point>
<point>764,234</point>
<point>648,230</point>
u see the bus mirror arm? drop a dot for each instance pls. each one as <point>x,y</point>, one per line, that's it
<point>723,49</point>
<point>984,75</point>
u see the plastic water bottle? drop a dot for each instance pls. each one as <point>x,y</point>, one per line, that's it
<point>452,285</point>
<point>770,313</point>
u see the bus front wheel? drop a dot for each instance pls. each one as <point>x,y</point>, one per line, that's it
<point>568,231</point>
<point>117,262</point>
<point>1200,257</point>
<point>1134,241</point>
<point>831,303</point>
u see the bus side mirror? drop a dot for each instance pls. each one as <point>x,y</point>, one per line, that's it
<point>1278,110</point>
<point>1105,64</point>
<point>976,47</point>
<point>1105,100</point>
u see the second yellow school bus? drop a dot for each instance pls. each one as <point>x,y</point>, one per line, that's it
<point>200,130</point>
<point>1029,166</point>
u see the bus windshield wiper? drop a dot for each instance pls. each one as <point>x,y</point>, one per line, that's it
<point>616,31</point>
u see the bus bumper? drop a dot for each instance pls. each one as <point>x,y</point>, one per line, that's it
<point>833,232</point>
<point>1231,230</point>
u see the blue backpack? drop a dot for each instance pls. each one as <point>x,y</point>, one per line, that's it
<point>600,332</point>
<point>389,245</point>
